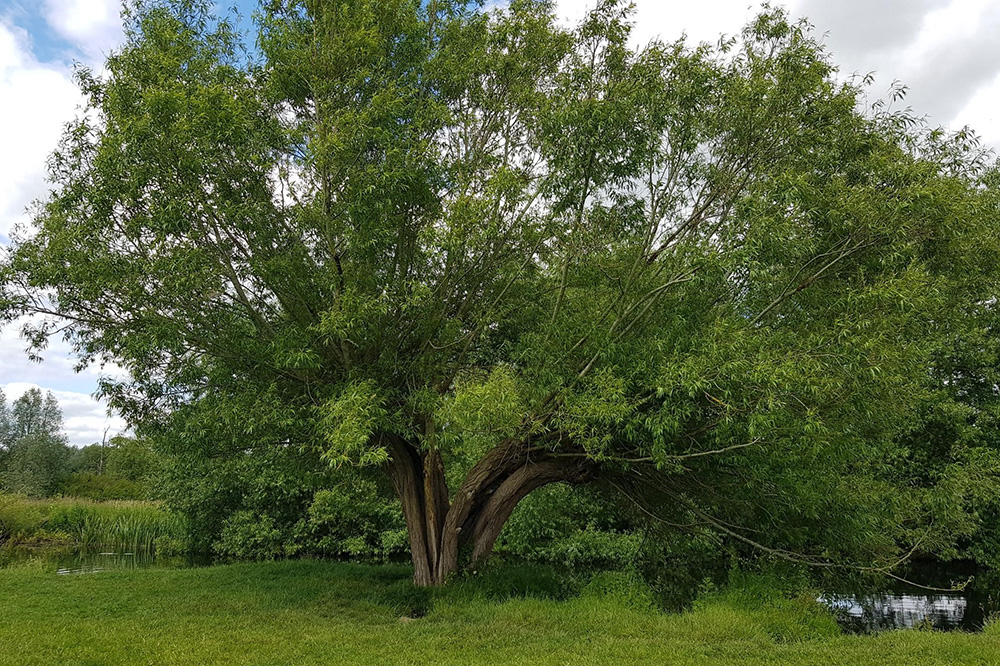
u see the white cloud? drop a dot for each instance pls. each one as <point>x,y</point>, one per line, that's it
<point>955,54</point>
<point>84,418</point>
<point>980,113</point>
<point>702,21</point>
<point>93,26</point>
<point>945,51</point>
<point>38,100</point>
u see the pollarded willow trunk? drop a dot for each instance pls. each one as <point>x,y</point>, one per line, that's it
<point>439,526</point>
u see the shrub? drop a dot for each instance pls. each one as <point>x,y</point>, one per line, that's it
<point>353,519</point>
<point>36,465</point>
<point>576,530</point>
<point>248,536</point>
<point>88,485</point>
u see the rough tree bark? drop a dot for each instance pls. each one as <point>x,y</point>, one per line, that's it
<point>439,526</point>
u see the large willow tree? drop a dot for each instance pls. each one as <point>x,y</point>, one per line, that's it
<point>487,253</point>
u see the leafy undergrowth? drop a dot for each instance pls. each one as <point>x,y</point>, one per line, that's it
<point>128,525</point>
<point>322,613</point>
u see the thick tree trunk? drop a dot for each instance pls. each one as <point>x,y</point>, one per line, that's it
<point>409,485</point>
<point>497,509</point>
<point>479,482</point>
<point>491,491</point>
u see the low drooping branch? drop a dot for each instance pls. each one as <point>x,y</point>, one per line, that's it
<point>703,519</point>
<point>501,460</point>
<point>492,489</point>
<point>498,508</point>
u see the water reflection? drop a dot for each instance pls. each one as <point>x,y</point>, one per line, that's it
<point>903,611</point>
<point>877,606</point>
<point>84,563</point>
<point>68,562</point>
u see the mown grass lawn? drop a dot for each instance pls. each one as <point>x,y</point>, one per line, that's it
<point>323,613</point>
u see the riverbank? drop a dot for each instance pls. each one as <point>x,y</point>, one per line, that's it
<point>68,522</point>
<point>326,613</point>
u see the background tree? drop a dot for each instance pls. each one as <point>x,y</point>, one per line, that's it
<point>120,468</point>
<point>34,413</point>
<point>37,465</point>
<point>38,457</point>
<point>487,254</point>
<point>5,438</point>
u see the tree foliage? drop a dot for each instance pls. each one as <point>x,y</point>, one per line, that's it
<point>34,456</point>
<point>487,253</point>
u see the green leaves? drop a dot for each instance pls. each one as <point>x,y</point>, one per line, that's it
<point>348,423</point>
<point>483,410</point>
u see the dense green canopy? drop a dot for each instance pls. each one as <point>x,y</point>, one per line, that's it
<point>428,237</point>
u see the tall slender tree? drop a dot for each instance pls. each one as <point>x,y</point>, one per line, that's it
<point>35,413</point>
<point>5,432</point>
<point>37,456</point>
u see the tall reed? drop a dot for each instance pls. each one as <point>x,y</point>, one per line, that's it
<point>125,526</point>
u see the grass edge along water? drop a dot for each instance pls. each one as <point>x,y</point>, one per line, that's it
<point>320,612</point>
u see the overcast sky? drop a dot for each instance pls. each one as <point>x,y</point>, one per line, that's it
<point>946,51</point>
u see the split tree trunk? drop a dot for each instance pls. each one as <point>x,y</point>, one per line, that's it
<point>439,527</point>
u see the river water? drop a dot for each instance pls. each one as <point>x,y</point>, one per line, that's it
<point>71,562</point>
<point>899,605</point>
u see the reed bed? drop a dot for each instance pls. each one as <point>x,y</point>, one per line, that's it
<point>123,526</point>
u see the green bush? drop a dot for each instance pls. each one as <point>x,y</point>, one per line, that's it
<point>249,536</point>
<point>170,545</point>
<point>211,490</point>
<point>569,528</point>
<point>273,503</point>
<point>88,485</point>
<point>351,520</point>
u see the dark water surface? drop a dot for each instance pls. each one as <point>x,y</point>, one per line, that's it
<point>65,562</point>
<point>899,605</point>
<point>84,563</point>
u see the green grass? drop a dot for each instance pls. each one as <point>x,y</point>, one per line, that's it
<point>323,613</point>
<point>132,526</point>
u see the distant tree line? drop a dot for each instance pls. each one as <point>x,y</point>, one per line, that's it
<point>37,460</point>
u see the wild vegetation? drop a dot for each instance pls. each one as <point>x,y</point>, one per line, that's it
<point>124,526</point>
